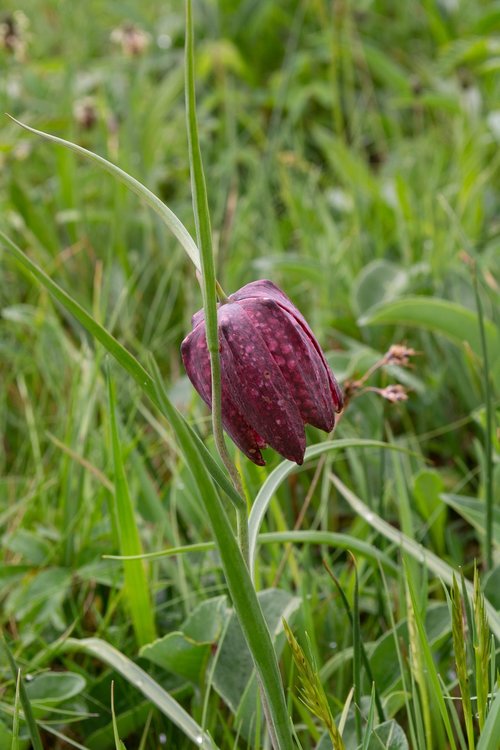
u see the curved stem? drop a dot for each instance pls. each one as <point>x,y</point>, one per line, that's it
<point>223,298</point>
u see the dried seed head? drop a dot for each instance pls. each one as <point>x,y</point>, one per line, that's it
<point>13,34</point>
<point>85,112</point>
<point>399,354</point>
<point>393,393</point>
<point>132,39</point>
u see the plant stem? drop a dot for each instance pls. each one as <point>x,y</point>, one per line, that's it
<point>488,439</point>
<point>221,293</point>
<point>210,286</point>
<point>274,711</point>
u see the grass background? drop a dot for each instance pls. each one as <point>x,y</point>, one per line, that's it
<point>351,155</point>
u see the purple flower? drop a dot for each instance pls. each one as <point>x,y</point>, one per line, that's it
<point>274,375</point>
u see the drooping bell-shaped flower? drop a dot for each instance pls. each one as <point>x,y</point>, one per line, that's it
<point>274,375</point>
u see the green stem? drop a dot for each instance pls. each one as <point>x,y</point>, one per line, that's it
<point>272,690</point>
<point>221,293</point>
<point>209,285</point>
<point>243,536</point>
<point>488,440</point>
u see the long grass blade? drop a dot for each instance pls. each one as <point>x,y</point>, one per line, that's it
<point>364,656</point>
<point>491,730</point>
<point>427,659</point>
<point>415,550</point>
<point>29,718</point>
<point>326,538</point>
<point>356,660</point>
<point>17,713</point>
<point>145,684</point>
<point>481,650</point>
<point>459,647</point>
<point>488,430</point>
<point>119,745</point>
<point>137,589</point>
<point>168,217</point>
<point>284,469</point>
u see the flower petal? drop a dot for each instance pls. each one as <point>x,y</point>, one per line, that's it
<point>197,363</point>
<point>297,358</point>
<point>266,289</point>
<point>257,386</point>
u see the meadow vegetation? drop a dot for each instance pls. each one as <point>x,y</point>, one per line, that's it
<point>351,155</point>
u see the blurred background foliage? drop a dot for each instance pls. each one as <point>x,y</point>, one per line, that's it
<point>351,151</point>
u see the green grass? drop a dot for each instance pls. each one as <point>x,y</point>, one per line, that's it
<point>350,153</point>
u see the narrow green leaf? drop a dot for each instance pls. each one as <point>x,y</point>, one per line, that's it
<point>415,550</point>
<point>488,433</point>
<point>368,730</point>
<point>17,712</point>
<point>145,684</point>
<point>459,647</point>
<point>238,580</point>
<point>284,469</point>
<point>25,701</point>
<point>491,730</point>
<point>481,650</point>
<point>430,666</point>
<point>356,661</point>
<point>137,590</point>
<point>119,745</point>
<point>366,661</point>
<point>168,217</point>
<point>208,281</point>
<point>327,538</point>
<point>122,356</point>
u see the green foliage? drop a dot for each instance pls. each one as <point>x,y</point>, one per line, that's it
<point>350,153</point>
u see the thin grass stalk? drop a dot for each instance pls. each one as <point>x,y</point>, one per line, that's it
<point>29,718</point>
<point>481,651</point>
<point>356,661</point>
<point>459,647</point>
<point>488,438</point>
<point>426,663</point>
<point>136,589</point>
<point>417,663</point>
<point>402,669</point>
<point>17,714</point>
<point>364,656</point>
<point>119,745</point>
<point>210,286</point>
<point>208,281</point>
<point>488,441</point>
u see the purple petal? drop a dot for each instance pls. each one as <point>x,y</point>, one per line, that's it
<point>257,385</point>
<point>197,363</point>
<point>263,289</point>
<point>297,358</point>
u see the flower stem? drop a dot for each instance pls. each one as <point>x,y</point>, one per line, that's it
<point>223,298</point>
<point>209,284</point>
<point>272,691</point>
